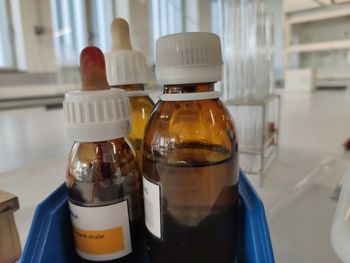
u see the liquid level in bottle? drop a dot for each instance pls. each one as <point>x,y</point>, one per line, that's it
<point>199,212</point>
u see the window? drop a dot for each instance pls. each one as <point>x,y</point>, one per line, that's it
<point>214,11</point>
<point>167,17</point>
<point>80,23</point>
<point>70,34</point>
<point>174,16</point>
<point>101,15</point>
<point>7,58</point>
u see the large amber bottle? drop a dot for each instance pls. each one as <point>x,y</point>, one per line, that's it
<point>190,160</point>
<point>103,176</point>
<point>127,69</point>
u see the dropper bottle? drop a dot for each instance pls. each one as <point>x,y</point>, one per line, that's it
<point>190,159</point>
<point>103,176</point>
<point>127,69</point>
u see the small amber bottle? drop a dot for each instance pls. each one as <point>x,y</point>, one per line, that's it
<point>103,176</point>
<point>127,69</point>
<point>190,160</point>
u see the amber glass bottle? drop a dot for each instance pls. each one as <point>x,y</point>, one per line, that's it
<point>103,176</point>
<point>141,107</point>
<point>190,161</point>
<point>126,69</point>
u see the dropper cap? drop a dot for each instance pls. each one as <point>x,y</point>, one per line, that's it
<point>124,66</point>
<point>120,35</point>
<point>96,112</point>
<point>92,69</point>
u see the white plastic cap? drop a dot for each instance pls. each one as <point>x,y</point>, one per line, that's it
<point>92,116</point>
<point>188,58</point>
<point>124,67</point>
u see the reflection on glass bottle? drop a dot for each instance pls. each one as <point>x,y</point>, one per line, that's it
<point>103,176</point>
<point>190,160</point>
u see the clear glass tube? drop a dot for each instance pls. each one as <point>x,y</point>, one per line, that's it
<point>231,26</point>
<point>246,32</point>
<point>340,235</point>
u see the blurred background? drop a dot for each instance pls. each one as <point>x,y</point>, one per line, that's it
<point>285,82</point>
<point>41,40</point>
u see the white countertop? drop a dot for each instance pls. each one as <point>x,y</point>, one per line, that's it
<point>33,154</point>
<point>34,150</point>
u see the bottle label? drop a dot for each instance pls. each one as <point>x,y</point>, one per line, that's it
<point>103,232</point>
<point>151,195</point>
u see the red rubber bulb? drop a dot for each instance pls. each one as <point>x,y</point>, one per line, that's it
<point>347,144</point>
<point>93,69</point>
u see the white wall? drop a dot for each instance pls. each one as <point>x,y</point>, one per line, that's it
<point>36,53</point>
<point>197,16</point>
<point>38,50</point>
<point>140,27</point>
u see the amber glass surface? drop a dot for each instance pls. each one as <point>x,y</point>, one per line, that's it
<point>190,150</point>
<point>141,108</point>
<point>103,173</point>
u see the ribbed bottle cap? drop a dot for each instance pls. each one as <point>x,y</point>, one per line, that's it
<point>188,58</point>
<point>123,65</point>
<point>126,67</point>
<point>98,115</point>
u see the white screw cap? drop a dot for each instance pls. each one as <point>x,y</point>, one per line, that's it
<point>188,58</point>
<point>123,65</point>
<point>99,115</point>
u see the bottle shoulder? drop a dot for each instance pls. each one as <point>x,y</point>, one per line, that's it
<point>209,114</point>
<point>204,124</point>
<point>144,100</point>
<point>108,146</point>
<point>96,161</point>
<point>103,173</point>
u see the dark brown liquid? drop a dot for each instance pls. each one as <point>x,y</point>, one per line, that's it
<point>213,240</point>
<point>199,212</point>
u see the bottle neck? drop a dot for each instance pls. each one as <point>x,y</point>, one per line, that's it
<point>189,88</point>
<point>130,87</point>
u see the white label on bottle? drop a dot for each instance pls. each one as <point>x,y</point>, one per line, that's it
<point>102,232</point>
<point>151,195</point>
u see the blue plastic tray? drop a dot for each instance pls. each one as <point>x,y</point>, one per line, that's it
<point>50,238</point>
